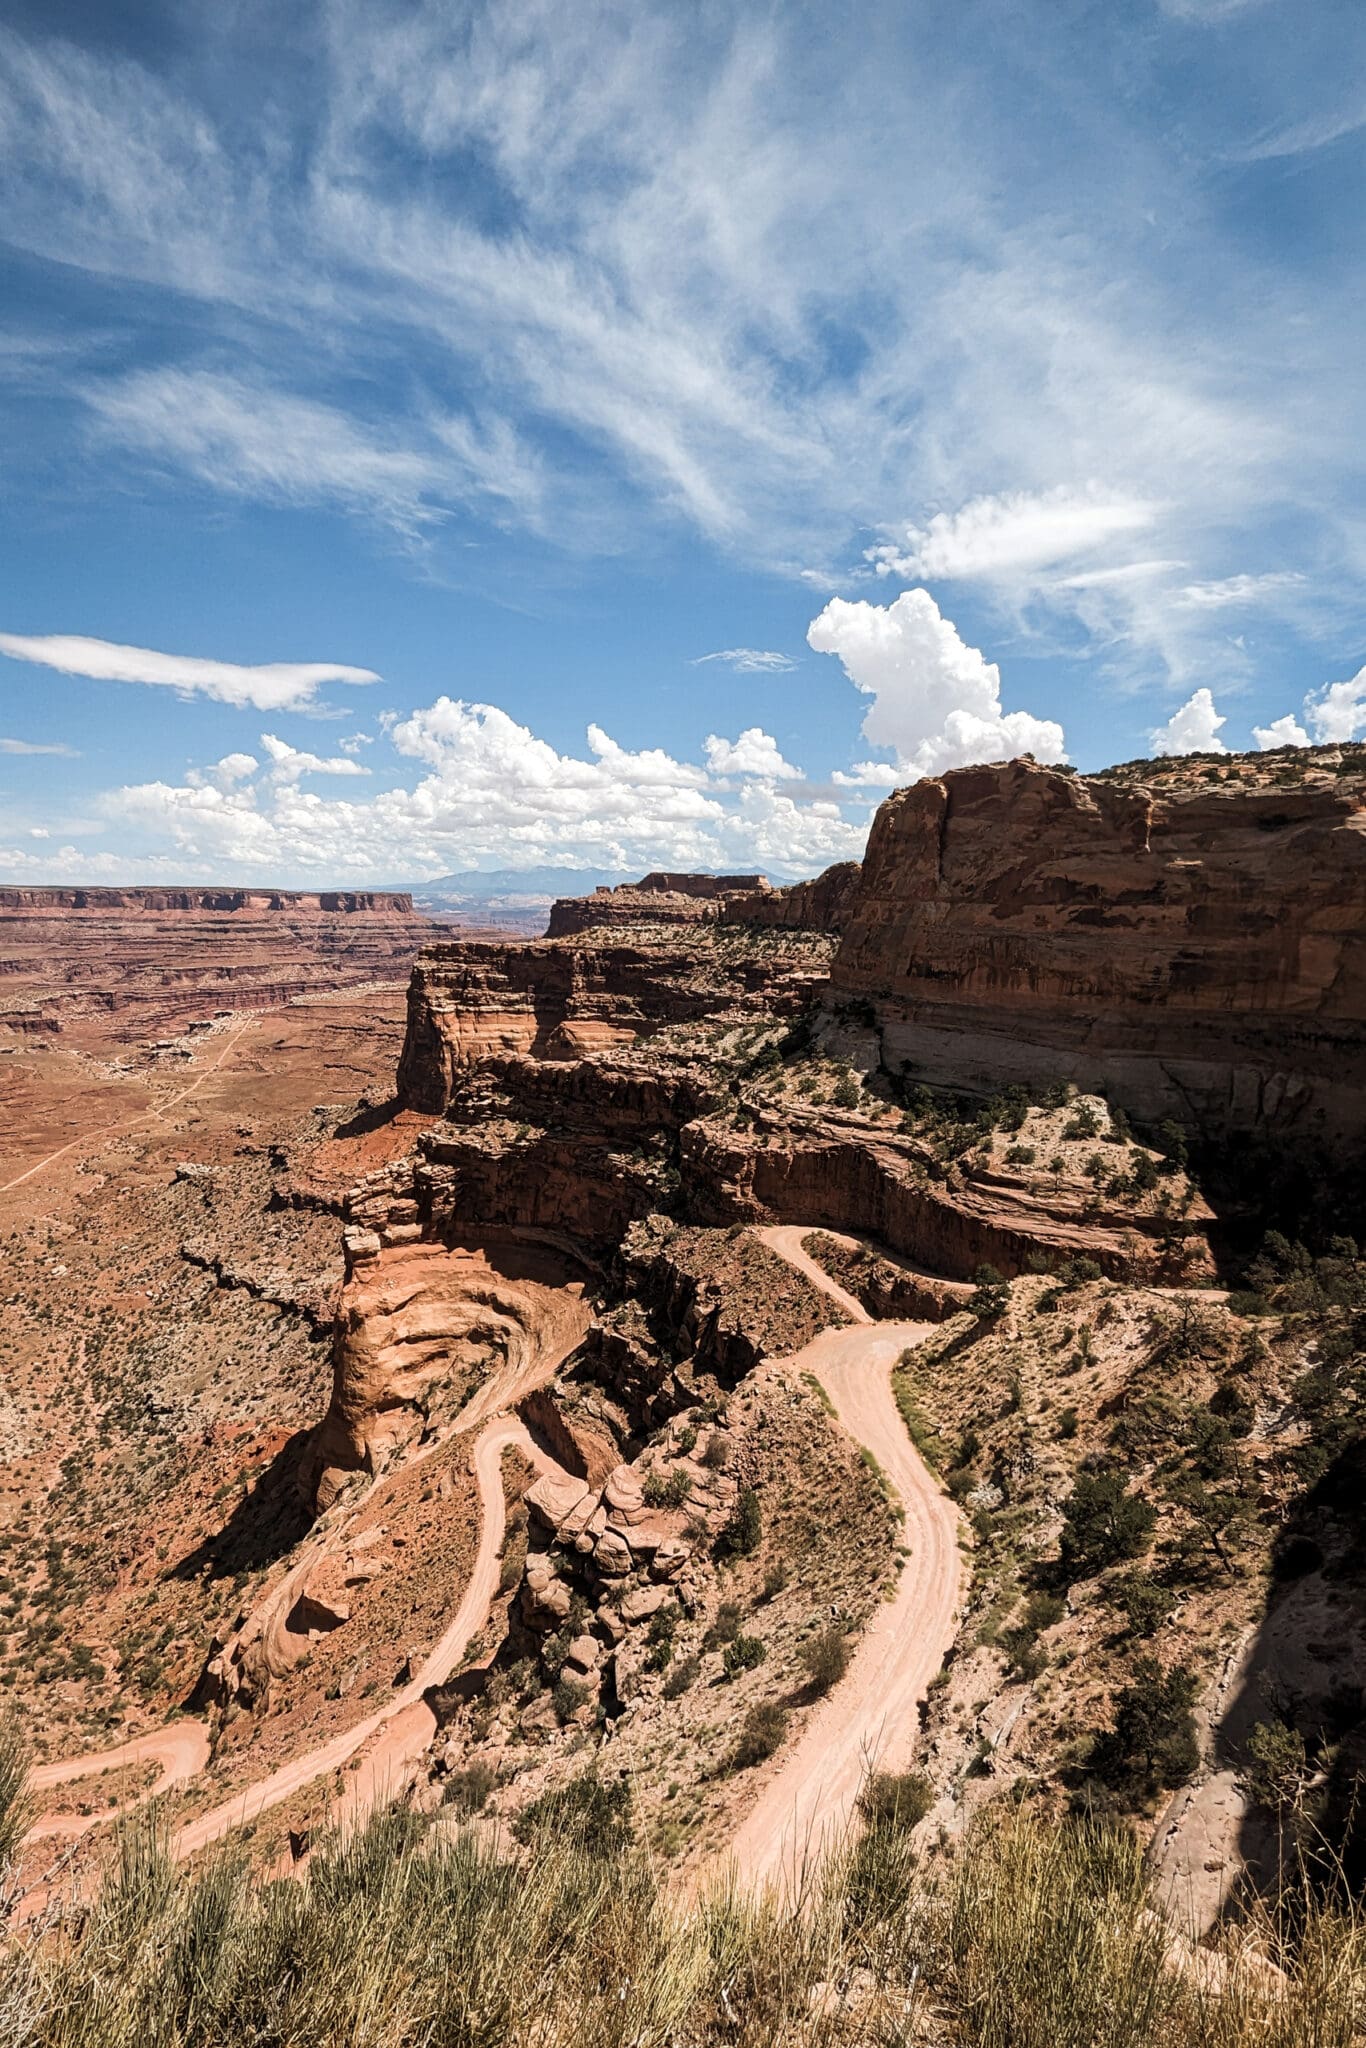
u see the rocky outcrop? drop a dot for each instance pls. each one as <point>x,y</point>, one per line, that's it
<point>124,965</point>
<point>422,1328</point>
<point>1195,951</point>
<point>841,1174</point>
<point>559,999</point>
<point>821,905</point>
<point>655,899</point>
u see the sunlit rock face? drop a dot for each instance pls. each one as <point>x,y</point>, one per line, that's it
<point>1194,947</point>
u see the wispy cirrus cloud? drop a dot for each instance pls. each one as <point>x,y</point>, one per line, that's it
<point>595,275</point>
<point>1018,531</point>
<point>269,686</point>
<point>748,661</point>
<point>252,441</point>
<point>59,747</point>
<point>1318,130</point>
<point>1236,592</point>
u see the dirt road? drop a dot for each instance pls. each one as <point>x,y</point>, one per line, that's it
<point>182,1750</point>
<point>391,1740</point>
<point>870,1719</point>
<point>93,1139</point>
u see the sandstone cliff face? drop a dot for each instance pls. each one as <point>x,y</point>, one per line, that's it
<point>822,905</point>
<point>559,999</point>
<point>129,964</point>
<point>658,898</point>
<point>421,1329</point>
<point>1198,953</point>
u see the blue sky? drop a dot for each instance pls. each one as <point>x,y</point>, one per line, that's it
<point>446,436</point>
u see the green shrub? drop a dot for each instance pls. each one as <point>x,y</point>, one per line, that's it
<point>661,1490</point>
<point>989,1304</point>
<point>569,1695</point>
<point>745,1653</point>
<point>825,1659</point>
<point>1279,1764</point>
<point>1144,1603</point>
<point>725,1627</point>
<point>1151,1742</point>
<point>1102,1523</point>
<point>896,1799</point>
<point>683,1675</point>
<point>743,1533</point>
<point>470,1790</point>
<point>762,1733</point>
<point>593,1815</point>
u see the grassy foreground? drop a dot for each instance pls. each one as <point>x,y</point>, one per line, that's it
<point>1035,1936</point>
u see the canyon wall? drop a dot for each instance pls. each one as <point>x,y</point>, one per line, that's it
<point>123,965</point>
<point>563,998</point>
<point>821,905</point>
<point>1196,951</point>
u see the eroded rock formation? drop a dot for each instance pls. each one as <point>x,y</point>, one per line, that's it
<point>558,999</point>
<point>129,964</point>
<point>1196,950</point>
<point>821,905</point>
<point>423,1328</point>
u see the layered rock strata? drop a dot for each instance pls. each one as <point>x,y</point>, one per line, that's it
<point>578,1150</point>
<point>559,999</point>
<point>821,905</point>
<point>1197,951</point>
<point>124,965</point>
<point>421,1328</point>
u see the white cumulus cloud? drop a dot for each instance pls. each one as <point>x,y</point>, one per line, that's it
<point>1193,729</point>
<point>491,792</point>
<point>754,753</point>
<point>223,774</point>
<point>292,762</point>
<point>936,701</point>
<point>271,686</point>
<point>1338,711</point>
<point>1010,534</point>
<point>1333,714</point>
<point>867,775</point>
<point>1282,732</point>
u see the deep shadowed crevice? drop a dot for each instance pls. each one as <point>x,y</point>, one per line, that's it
<point>266,1523</point>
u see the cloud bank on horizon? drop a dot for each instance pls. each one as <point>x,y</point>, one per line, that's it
<point>494,793</point>
<point>1060,413</point>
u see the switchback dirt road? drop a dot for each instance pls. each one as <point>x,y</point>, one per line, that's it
<point>392,1739</point>
<point>181,1749</point>
<point>869,1721</point>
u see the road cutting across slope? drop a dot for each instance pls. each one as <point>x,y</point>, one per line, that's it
<point>182,1750</point>
<point>869,1721</point>
<point>121,1127</point>
<point>388,1741</point>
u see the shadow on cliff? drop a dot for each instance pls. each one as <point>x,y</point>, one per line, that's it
<point>1295,1727</point>
<point>269,1519</point>
<point>372,1118</point>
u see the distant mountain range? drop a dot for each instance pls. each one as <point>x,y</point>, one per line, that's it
<point>519,897</point>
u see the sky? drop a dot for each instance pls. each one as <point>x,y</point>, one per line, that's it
<point>444,436</point>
